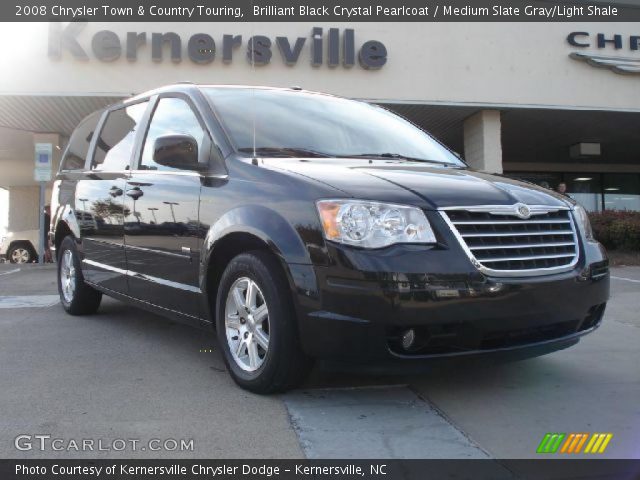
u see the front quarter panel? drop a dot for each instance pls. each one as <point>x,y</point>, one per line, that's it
<point>263,223</point>
<point>271,205</point>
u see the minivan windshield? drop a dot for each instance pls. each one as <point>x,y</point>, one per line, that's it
<point>300,124</point>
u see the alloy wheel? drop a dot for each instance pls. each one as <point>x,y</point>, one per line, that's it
<point>247,324</point>
<point>68,276</point>
<point>20,255</point>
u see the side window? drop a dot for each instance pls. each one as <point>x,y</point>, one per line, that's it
<point>172,115</point>
<point>76,153</point>
<point>115,144</point>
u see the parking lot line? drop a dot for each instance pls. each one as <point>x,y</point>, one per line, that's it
<point>29,301</point>
<point>625,279</point>
<point>15,270</point>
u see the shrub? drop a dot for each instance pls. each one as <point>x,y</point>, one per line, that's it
<point>617,229</point>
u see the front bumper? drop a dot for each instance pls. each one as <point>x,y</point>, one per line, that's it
<point>347,313</point>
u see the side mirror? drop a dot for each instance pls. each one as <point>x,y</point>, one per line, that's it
<point>176,151</point>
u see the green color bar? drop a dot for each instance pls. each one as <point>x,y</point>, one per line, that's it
<point>543,443</point>
<point>551,443</point>
<point>558,442</point>
<point>547,448</point>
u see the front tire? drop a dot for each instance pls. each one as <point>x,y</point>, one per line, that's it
<point>76,296</point>
<point>256,325</point>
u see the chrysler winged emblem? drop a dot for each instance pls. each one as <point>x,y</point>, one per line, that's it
<point>623,65</point>
<point>523,211</point>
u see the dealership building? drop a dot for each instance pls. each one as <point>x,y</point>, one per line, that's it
<point>545,102</point>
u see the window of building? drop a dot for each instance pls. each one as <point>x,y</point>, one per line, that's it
<point>171,116</point>
<point>115,144</point>
<point>76,153</point>
<point>586,189</point>
<point>594,191</point>
<point>622,191</point>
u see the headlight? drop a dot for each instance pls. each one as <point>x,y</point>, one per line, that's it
<point>372,224</point>
<point>583,221</point>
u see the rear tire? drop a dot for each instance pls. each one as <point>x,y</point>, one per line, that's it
<point>254,284</point>
<point>76,296</point>
<point>22,252</point>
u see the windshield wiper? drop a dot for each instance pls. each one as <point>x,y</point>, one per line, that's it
<point>305,152</point>
<point>398,156</point>
<point>284,151</point>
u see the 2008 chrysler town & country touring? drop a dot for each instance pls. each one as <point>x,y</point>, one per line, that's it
<point>301,225</point>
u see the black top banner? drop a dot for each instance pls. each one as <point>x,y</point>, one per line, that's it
<point>318,11</point>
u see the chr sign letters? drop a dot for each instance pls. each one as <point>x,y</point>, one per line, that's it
<point>333,47</point>
<point>600,58</point>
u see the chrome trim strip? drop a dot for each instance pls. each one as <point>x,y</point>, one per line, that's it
<point>509,222</point>
<point>507,209</point>
<point>158,252</point>
<point>511,208</point>
<point>182,173</point>
<point>532,257</point>
<point>164,282</point>
<point>524,245</point>
<point>143,276</point>
<point>104,266</point>
<point>518,234</point>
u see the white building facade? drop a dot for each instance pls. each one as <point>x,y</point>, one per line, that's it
<point>547,102</point>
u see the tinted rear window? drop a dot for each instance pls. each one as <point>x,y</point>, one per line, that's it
<point>76,154</point>
<point>115,144</point>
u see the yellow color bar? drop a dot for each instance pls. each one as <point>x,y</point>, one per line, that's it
<point>607,439</point>
<point>596,445</point>
<point>598,442</point>
<point>594,437</point>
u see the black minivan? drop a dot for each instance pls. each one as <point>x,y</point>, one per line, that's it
<point>305,226</point>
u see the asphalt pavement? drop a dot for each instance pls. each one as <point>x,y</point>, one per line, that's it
<point>124,376</point>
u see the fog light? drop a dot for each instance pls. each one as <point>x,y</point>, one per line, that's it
<point>408,338</point>
<point>585,274</point>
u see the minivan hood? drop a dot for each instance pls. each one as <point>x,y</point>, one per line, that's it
<point>437,187</point>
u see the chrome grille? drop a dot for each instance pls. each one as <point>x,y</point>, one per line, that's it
<point>498,241</point>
